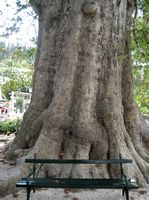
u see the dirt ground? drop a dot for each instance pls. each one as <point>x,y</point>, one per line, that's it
<point>6,170</point>
<point>60,194</point>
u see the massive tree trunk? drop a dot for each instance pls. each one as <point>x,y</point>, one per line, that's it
<point>82,104</point>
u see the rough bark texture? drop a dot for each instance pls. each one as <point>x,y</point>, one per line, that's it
<point>82,105</point>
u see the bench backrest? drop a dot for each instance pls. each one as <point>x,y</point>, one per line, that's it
<point>119,161</point>
<point>56,161</point>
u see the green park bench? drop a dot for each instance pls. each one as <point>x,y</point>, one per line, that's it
<point>32,181</point>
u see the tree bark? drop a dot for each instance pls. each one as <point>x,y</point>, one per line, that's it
<point>82,104</point>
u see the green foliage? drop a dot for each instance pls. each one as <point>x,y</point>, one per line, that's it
<point>7,88</point>
<point>16,56</point>
<point>140,35</point>
<point>141,87</point>
<point>140,47</point>
<point>10,126</point>
<point>140,41</point>
<point>20,83</point>
<point>17,64</point>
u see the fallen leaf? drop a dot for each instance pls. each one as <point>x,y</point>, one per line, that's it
<point>15,195</point>
<point>142,192</point>
<point>75,198</point>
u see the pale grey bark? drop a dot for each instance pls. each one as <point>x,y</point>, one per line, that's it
<point>82,105</point>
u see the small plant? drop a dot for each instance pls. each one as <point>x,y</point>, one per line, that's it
<point>8,127</point>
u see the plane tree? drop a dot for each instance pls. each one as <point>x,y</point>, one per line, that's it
<point>82,104</point>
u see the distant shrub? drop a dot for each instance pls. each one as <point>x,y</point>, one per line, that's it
<point>10,126</point>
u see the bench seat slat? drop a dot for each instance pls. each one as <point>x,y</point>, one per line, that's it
<point>75,183</point>
<point>55,161</point>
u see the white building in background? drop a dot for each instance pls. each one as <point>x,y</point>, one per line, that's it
<point>20,101</point>
<point>2,81</point>
<point>15,108</point>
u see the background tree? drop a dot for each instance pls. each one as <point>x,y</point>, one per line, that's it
<point>17,68</point>
<point>140,47</point>
<point>14,25</point>
<point>82,103</point>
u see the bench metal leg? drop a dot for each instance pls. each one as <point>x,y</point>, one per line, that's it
<point>127,194</point>
<point>28,192</point>
<point>123,192</point>
<point>126,191</point>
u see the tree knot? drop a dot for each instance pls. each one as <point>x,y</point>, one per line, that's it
<point>89,9</point>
